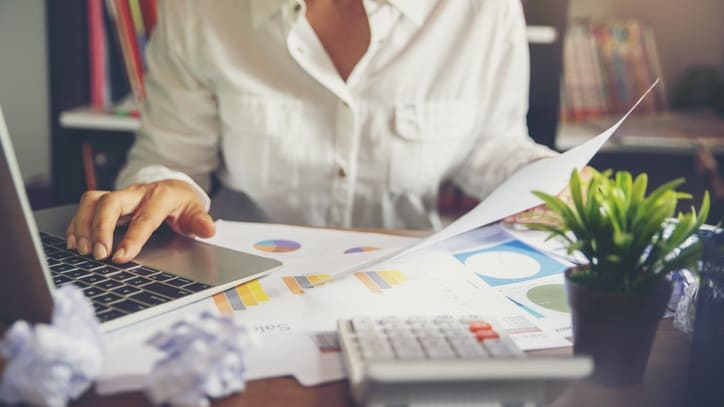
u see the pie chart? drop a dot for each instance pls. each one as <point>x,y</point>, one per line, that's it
<point>361,249</point>
<point>277,246</point>
<point>550,296</point>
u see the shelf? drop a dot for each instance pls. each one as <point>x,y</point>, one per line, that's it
<point>665,132</point>
<point>86,118</point>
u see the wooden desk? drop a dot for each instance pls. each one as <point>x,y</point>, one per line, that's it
<point>662,386</point>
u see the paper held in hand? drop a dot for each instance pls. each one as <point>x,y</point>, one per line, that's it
<point>515,194</point>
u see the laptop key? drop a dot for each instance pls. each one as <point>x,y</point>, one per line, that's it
<point>125,266</point>
<point>52,262</point>
<point>60,279</point>
<point>166,290</point>
<point>179,282</point>
<point>145,271</point>
<point>62,267</point>
<point>75,260</point>
<point>51,240</point>
<point>137,281</point>
<point>90,265</point>
<point>196,287</point>
<point>161,276</point>
<point>93,278</point>
<point>99,307</point>
<point>123,275</point>
<point>108,284</point>
<point>110,314</point>
<point>80,284</point>
<point>91,292</point>
<point>77,273</point>
<point>58,254</point>
<point>126,290</point>
<point>106,298</point>
<point>149,298</point>
<point>130,306</point>
<point>106,270</point>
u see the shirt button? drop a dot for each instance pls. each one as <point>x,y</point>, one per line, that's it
<point>297,8</point>
<point>342,173</point>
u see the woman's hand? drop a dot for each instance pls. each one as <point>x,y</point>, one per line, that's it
<point>538,213</point>
<point>144,207</point>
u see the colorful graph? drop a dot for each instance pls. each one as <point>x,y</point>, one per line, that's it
<point>361,249</point>
<point>297,284</point>
<point>527,309</point>
<point>549,296</point>
<point>240,297</point>
<point>518,325</point>
<point>376,281</point>
<point>277,246</point>
<point>510,262</point>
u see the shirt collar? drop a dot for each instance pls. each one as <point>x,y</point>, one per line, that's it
<point>262,10</point>
<point>416,10</point>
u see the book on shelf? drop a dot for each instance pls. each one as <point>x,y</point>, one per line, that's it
<point>608,63</point>
<point>118,31</point>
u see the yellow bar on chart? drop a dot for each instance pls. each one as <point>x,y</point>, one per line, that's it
<point>389,277</point>
<point>258,291</point>
<point>222,304</point>
<point>246,296</point>
<point>367,281</point>
<point>317,279</point>
<point>399,276</point>
<point>293,285</point>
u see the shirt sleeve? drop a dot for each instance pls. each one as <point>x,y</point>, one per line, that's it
<point>503,144</point>
<point>179,135</point>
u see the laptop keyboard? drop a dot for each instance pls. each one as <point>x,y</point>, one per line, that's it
<point>115,290</point>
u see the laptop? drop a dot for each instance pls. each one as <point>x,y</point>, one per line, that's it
<point>170,272</point>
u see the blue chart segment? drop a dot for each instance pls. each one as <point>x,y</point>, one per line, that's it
<point>510,262</point>
<point>527,309</point>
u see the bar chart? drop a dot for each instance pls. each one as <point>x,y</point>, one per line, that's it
<point>241,297</point>
<point>297,284</point>
<point>377,281</point>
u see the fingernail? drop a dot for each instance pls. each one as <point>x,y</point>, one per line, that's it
<point>120,253</point>
<point>70,242</point>
<point>83,246</point>
<point>99,251</point>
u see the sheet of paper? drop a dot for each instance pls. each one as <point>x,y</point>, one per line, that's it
<point>290,311</point>
<point>305,250</point>
<point>514,194</point>
<point>531,278</point>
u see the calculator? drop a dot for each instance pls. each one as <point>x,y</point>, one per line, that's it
<point>444,359</point>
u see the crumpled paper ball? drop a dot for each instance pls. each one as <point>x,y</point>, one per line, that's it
<point>685,315</point>
<point>204,358</point>
<point>49,365</point>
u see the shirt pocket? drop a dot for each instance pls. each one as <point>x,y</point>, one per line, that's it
<point>429,139</point>
<point>260,143</point>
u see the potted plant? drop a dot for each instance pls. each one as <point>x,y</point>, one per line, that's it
<point>618,295</point>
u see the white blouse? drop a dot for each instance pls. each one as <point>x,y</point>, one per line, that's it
<point>245,89</point>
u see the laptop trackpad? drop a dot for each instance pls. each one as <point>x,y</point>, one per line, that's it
<point>198,261</point>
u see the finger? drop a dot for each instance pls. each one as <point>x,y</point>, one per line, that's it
<point>152,211</point>
<point>196,223</point>
<point>70,242</point>
<point>109,209</point>
<point>84,219</point>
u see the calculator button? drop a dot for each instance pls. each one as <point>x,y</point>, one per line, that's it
<point>499,348</point>
<point>476,326</point>
<point>363,324</point>
<point>486,335</point>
